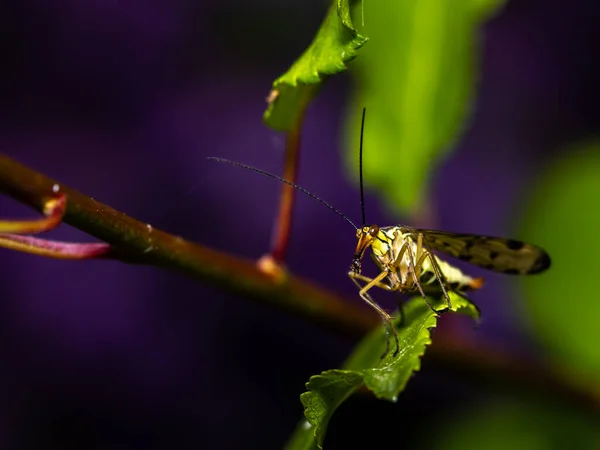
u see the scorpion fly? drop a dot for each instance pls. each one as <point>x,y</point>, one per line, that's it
<point>407,264</point>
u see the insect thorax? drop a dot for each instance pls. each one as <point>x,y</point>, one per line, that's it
<point>398,251</point>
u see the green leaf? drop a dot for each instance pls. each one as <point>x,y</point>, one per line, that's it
<point>336,43</point>
<point>417,79</point>
<point>386,378</point>
<point>325,393</point>
<point>561,305</point>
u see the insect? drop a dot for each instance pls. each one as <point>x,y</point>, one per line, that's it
<point>407,264</point>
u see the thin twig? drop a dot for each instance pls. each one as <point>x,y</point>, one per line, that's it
<point>136,242</point>
<point>283,223</point>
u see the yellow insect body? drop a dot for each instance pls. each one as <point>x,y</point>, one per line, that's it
<point>407,263</point>
<point>390,242</point>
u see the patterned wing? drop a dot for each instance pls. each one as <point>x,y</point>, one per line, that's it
<point>492,253</point>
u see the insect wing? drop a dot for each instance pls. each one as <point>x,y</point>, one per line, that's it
<point>492,253</point>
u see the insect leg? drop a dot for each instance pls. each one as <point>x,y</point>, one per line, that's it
<point>371,302</point>
<point>395,291</point>
<point>397,265</point>
<point>358,276</point>
<point>416,268</point>
<point>404,287</point>
<point>437,271</point>
<point>418,256</point>
<point>384,315</point>
<point>400,304</point>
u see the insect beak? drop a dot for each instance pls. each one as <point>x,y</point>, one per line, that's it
<point>364,240</point>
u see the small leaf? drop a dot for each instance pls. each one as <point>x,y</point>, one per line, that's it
<point>386,378</point>
<point>325,393</point>
<point>336,43</point>
<point>391,378</point>
<point>417,80</point>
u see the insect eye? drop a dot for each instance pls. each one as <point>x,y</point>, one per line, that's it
<point>374,230</point>
<point>358,233</point>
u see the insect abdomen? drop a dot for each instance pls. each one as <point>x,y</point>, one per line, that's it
<point>454,278</point>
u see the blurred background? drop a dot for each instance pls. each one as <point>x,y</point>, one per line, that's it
<point>124,100</point>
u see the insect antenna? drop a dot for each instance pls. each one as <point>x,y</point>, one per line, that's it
<point>289,183</point>
<point>360,168</point>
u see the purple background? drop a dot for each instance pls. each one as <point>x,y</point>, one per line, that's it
<point>123,101</point>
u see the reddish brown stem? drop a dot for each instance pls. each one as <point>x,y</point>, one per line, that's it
<point>283,223</point>
<point>136,242</point>
<point>133,241</point>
